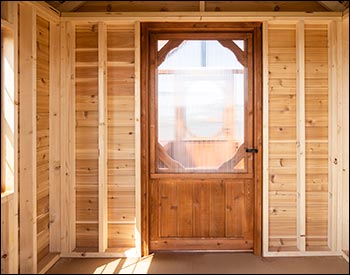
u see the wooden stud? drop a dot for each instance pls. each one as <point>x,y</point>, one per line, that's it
<point>339,141</point>
<point>27,144</point>
<point>14,211</point>
<point>345,133</point>
<point>300,64</point>
<point>138,137</point>
<point>102,136</point>
<point>46,11</point>
<point>332,136</point>
<point>258,142</point>
<point>9,198</point>
<point>54,135</point>
<point>67,137</point>
<point>265,139</point>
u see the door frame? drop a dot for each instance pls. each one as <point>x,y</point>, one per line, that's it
<point>158,27</point>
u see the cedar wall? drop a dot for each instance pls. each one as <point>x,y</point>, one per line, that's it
<point>284,108</point>
<point>120,136</point>
<point>283,141</point>
<point>73,170</point>
<point>42,135</point>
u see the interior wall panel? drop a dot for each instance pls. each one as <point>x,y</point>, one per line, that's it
<point>42,143</point>
<point>121,136</point>
<point>86,87</point>
<point>316,124</point>
<point>282,138</point>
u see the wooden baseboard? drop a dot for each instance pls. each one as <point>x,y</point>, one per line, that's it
<point>110,253</point>
<point>301,254</point>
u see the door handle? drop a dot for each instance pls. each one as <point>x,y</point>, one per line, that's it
<point>251,150</point>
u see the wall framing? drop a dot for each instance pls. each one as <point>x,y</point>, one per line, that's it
<point>62,145</point>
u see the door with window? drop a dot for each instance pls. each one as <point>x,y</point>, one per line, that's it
<point>201,136</point>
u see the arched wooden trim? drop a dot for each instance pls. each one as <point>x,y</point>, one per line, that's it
<point>163,52</point>
<point>167,160</point>
<point>237,157</point>
<point>240,55</point>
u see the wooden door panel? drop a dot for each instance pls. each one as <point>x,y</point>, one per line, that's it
<point>201,192</point>
<point>185,209</point>
<point>217,209</point>
<point>201,210</point>
<point>234,209</point>
<point>199,189</point>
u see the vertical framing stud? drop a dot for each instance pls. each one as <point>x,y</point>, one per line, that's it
<point>55,157</point>
<point>102,137</point>
<point>300,64</point>
<point>68,230</point>
<point>332,135</point>
<point>138,136</point>
<point>27,144</point>
<point>265,139</point>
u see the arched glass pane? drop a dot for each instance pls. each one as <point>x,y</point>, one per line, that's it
<point>200,87</point>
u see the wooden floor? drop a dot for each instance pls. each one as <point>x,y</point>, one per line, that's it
<point>202,263</point>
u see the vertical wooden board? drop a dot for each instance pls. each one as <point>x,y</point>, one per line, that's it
<point>345,134</point>
<point>234,210</point>
<point>27,144</point>
<point>68,228</point>
<point>300,61</point>
<point>154,205</point>
<point>217,209</point>
<point>168,209</point>
<point>103,137</point>
<point>266,137</point>
<point>248,209</point>
<point>201,210</point>
<point>5,244</point>
<point>184,211</point>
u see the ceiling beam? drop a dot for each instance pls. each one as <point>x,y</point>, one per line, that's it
<point>67,6</point>
<point>333,5</point>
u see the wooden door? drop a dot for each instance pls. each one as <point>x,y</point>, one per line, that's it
<point>201,137</point>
